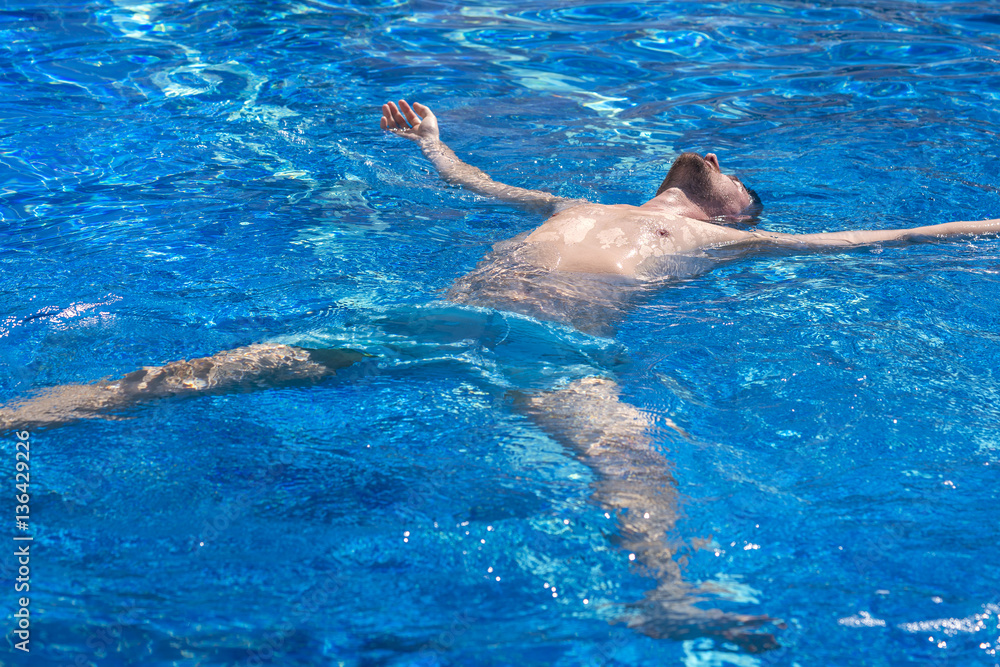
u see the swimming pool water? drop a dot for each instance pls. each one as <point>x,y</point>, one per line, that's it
<point>182,178</point>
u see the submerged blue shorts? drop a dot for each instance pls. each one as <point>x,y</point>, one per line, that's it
<point>502,348</point>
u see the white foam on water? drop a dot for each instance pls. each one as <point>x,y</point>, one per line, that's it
<point>862,619</point>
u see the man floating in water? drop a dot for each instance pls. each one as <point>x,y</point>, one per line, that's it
<point>688,215</point>
<point>571,270</point>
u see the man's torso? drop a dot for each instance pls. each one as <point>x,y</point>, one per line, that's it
<point>625,240</point>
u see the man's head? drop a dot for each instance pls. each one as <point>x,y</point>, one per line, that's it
<point>716,194</point>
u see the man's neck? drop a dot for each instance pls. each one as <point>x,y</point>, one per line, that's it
<point>674,202</point>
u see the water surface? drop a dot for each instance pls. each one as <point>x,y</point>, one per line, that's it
<point>182,178</point>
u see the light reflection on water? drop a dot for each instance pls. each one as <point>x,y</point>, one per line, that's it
<point>211,175</point>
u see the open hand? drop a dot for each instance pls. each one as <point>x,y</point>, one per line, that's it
<point>404,121</point>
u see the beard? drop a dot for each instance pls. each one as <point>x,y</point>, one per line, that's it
<point>689,173</point>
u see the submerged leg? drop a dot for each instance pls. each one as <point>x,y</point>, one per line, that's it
<point>243,368</point>
<point>634,481</point>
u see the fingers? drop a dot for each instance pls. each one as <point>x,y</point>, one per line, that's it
<point>405,120</point>
<point>411,116</point>
<point>387,122</point>
<point>398,117</point>
<point>392,119</point>
<point>422,109</point>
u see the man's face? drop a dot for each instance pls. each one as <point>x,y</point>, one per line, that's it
<point>701,179</point>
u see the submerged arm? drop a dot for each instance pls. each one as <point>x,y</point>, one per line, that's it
<point>849,239</point>
<point>404,121</point>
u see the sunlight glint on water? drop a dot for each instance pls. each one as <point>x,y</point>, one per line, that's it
<point>178,179</point>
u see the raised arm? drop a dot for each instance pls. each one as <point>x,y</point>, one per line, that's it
<point>403,121</point>
<point>839,240</point>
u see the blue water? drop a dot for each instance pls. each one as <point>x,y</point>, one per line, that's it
<point>182,178</point>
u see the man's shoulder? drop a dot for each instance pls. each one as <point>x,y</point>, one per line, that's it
<point>638,218</point>
<point>582,207</point>
<point>585,209</point>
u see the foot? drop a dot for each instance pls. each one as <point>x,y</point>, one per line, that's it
<point>664,620</point>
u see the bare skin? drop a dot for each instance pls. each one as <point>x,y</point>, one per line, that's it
<point>244,368</point>
<point>634,480</point>
<point>621,239</point>
<point>689,216</point>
